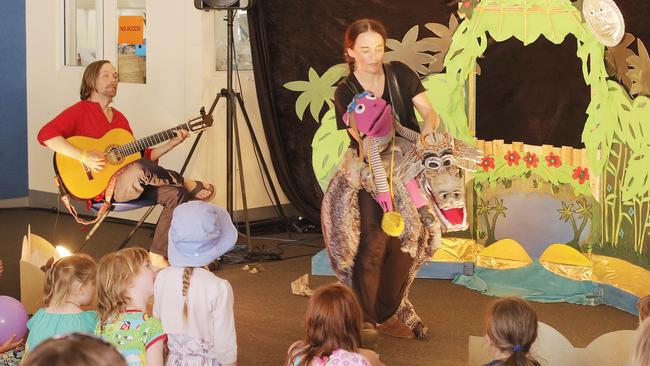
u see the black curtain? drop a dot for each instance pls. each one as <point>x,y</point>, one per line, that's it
<point>541,95</point>
<point>290,36</point>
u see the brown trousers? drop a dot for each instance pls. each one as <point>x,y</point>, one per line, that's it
<point>381,269</point>
<point>146,179</point>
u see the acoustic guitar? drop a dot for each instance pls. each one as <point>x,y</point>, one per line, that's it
<point>120,149</point>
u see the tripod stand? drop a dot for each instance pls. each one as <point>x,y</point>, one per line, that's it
<point>233,99</point>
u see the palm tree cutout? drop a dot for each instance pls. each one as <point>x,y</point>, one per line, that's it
<point>640,72</point>
<point>442,43</point>
<point>567,214</point>
<point>411,51</point>
<point>316,92</point>
<point>484,209</point>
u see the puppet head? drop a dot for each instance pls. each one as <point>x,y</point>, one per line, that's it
<point>371,115</point>
<point>444,159</point>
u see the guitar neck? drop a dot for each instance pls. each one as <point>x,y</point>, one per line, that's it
<point>143,143</point>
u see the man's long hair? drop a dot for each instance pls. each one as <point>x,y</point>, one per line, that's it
<point>90,76</point>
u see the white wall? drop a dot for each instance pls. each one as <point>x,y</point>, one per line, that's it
<point>180,79</point>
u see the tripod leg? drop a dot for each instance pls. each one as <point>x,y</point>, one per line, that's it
<point>189,156</point>
<point>136,227</point>
<point>241,177</point>
<point>265,168</point>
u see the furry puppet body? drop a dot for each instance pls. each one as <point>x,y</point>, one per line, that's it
<point>425,161</point>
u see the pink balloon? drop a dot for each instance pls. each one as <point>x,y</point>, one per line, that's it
<point>13,319</point>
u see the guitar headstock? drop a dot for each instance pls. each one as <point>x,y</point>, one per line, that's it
<point>199,123</point>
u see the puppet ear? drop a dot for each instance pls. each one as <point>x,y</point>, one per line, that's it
<point>346,118</point>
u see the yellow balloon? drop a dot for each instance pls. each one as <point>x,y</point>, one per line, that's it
<point>392,223</point>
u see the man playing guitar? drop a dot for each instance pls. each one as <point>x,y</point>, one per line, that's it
<point>93,117</point>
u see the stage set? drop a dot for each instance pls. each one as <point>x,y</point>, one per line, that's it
<point>545,118</point>
<point>558,206</point>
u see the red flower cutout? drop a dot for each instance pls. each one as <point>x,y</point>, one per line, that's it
<point>487,163</point>
<point>553,160</point>
<point>512,157</point>
<point>581,174</point>
<point>466,4</point>
<point>531,160</point>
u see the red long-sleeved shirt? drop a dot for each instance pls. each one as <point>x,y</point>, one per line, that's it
<point>84,118</point>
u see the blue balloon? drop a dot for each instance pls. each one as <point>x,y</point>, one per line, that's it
<point>13,319</point>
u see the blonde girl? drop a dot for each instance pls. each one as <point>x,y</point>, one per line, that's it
<point>69,286</point>
<point>125,285</point>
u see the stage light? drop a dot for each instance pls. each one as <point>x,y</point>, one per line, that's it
<point>222,4</point>
<point>62,251</point>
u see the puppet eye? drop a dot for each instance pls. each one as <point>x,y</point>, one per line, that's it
<point>447,161</point>
<point>432,162</point>
<point>360,108</point>
<point>371,96</point>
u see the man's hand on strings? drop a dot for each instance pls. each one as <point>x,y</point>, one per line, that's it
<point>181,135</point>
<point>94,160</point>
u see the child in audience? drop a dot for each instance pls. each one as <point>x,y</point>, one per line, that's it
<point>641,354</point>
<point>333,326</point>
<point>195,306</point>
<point>74,349</point>
<point>124,286</point>
<point>511,329</point>
<point>11,351</point>
<point>69,285</point>
<point>644,308</point>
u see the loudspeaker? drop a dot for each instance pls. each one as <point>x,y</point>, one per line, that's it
<point>222,4</point>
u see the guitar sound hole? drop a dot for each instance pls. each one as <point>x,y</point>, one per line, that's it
<point>113,156</point>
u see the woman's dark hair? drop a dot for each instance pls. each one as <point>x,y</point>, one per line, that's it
<point>90,76</point>
<point>354,29</point>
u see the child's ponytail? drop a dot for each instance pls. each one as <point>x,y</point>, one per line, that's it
<point>187,274</point>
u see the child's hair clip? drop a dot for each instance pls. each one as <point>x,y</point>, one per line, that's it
<point>49,264</point>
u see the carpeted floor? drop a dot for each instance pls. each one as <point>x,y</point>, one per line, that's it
<point>269,318</point>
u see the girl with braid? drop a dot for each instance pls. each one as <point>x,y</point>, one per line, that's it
<point>194,305</point>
